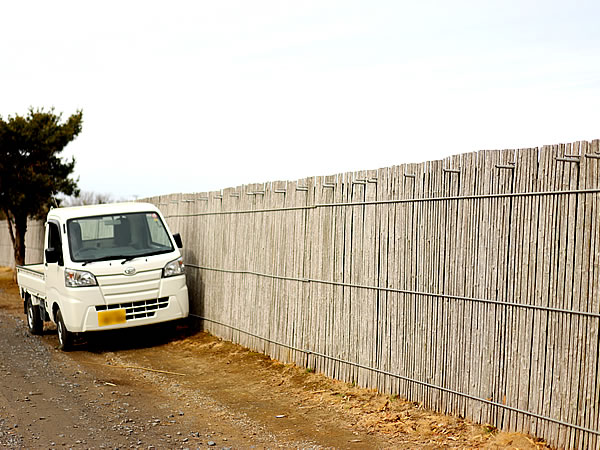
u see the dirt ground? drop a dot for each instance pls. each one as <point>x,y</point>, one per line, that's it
<point>158,388</point>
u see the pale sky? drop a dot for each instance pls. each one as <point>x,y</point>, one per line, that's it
<point>194,96</point>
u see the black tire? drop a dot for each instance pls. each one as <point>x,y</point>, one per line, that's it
<point>34,318</point>
<point>65,337</point>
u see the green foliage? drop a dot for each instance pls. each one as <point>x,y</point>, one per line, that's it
<point>31,169</point>
<point>487,428</point>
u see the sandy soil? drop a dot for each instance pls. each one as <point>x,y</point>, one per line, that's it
<point>157,387</point>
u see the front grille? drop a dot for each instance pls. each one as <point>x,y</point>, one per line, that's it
<point>138,310</point>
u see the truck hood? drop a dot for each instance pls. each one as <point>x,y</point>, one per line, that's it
<point>128,269</point>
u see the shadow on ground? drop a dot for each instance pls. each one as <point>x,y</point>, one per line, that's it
<point>142,337</point>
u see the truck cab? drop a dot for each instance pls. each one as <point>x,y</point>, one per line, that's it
<point>105,267</point>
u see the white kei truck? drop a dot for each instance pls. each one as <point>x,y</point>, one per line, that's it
<point>105,267</point>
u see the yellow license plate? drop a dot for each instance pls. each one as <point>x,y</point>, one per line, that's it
<point>111,317</point>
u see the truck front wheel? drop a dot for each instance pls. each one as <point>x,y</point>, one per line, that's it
<point>65,337</point>
<point>34,318</point>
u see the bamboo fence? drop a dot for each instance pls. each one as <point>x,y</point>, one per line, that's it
<point>470,284</point>
<point>34,243</point>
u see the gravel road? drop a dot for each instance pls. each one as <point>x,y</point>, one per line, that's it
<point>91,399</point>
<point>49,400</point>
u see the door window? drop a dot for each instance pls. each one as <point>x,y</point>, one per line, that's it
<point>54,240</point>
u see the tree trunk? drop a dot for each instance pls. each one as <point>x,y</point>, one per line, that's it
<point>17,227</point>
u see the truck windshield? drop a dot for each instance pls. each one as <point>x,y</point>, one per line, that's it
<point>118,236</point>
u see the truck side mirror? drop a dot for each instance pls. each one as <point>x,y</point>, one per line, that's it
<point>51,255</point>
<point>178,240</point>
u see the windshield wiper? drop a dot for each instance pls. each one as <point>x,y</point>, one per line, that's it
<point>129,258</point>
<point>143,255</point>
<point>126,258</point>
<point>109,258</point>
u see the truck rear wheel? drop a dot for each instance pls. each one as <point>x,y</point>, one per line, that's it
<point>65,337</point>
<point>34,318</point>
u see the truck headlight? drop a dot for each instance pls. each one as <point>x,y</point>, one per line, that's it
<point>79,278</point>
<point>174,268</point>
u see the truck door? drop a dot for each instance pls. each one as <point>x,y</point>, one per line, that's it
<point>54,270</point>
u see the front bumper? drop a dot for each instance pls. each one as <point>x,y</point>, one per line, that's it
<point>170,302</point>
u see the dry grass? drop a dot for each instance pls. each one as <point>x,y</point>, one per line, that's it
<point>398,421</point>
<point>9,292</point>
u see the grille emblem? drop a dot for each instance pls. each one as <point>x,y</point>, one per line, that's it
<point>129,271</point>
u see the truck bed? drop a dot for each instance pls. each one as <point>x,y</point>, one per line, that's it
<point>32,279</point>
